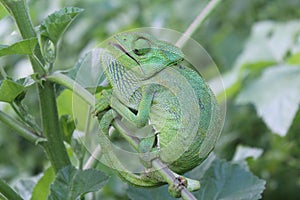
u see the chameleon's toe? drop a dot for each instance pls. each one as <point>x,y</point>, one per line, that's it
<point>191,184</point>
<point>175,188</point>
<point>103,102</point>
<point>100,106</point>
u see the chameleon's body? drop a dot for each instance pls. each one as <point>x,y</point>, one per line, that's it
<point>149,86</point>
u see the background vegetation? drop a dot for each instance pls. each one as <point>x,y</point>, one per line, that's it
<point>255,44</point>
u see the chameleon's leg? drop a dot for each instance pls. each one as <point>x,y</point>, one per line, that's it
<point>110,158</point>
<point>103,101</point>
<point>141,118</point>
<point>106,120</point>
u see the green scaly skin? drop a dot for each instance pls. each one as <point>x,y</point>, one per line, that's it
<point>146,77</point>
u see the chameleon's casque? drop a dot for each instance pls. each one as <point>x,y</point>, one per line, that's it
<point>151,86</point>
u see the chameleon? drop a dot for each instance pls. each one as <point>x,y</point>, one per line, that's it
<point>150,86</point>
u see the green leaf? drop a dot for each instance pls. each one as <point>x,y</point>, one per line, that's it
<point>65,111</point>
<point>198,172</point>
<point>23,47</point>
<point>48,50</point>
<point>244,152</point>
<point>42,188</point>
<point>70,104</point>
<point>64,103</point>
<point>56,23</point>
<point>3,11</point>
<point>294,59</point>
<point>259,37</point>
<point>26,81</point>
<point>10,90</point>
<point>283,38</point>
<point>227,181</point>
<point>276,96</point>
<point>274,41</point>
<point>70,183</point>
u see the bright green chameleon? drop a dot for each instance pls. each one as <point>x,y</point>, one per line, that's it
<point>150,86</point>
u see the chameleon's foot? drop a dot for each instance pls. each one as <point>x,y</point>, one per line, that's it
<point>106,120</point>
<point>103,102</point>
<point>175,188</point>
<point>192,185</point>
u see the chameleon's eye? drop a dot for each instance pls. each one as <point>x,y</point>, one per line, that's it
<point>141,46</point>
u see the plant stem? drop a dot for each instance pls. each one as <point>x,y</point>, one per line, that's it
<point>20,128</point>
<point>168,175</point>
<point>8,192</point>
<point>197,22</point>
<point>54,146</point>
<point>92,159</point>
<point>73,86</point>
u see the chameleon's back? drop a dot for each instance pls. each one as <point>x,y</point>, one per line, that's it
<point>192,128</point>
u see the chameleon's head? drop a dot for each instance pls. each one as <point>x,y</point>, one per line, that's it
<point>143,54</point>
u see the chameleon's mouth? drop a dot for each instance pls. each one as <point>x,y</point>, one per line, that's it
<point>118,46</point>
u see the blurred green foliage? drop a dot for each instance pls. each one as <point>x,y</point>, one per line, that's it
<point>224,35</point>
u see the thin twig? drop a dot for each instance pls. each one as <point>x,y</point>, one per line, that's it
<point>197,22</point>
<point>169,176</point>
<point>2,72</point>
<point>86,132</point>
<point>69,83</point>
<point>20,128</point>
<point>92,159</point>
